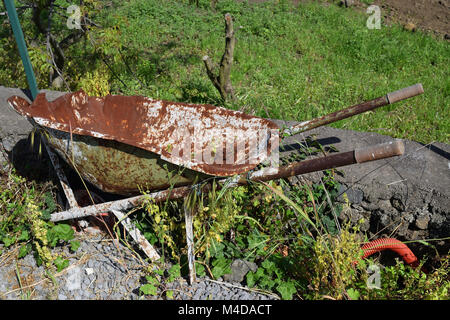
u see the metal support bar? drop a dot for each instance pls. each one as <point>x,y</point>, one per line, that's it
<point>137,236</point>
<point>20,40</point>
<point>61,175</point>
<point>189,217</point>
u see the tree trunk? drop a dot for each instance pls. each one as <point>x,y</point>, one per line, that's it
<point>222,81</point>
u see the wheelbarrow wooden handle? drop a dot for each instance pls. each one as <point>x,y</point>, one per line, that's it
<point>405,93</point>
<point>380,151</point>
<point>389,98</point>
<point>375,152</point>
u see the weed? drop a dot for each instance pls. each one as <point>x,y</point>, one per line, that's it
<point>404,282</point>
<point>25,209</point>
<point>158,278</point>
<point>334,270</point>
<point>292,234</point>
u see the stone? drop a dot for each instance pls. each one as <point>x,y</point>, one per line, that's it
<point>408,217</point>
<point>397,203</point>
<point>4,162</point>
<point>349,3</point>
<point>89,271</point>
<point>354,195</point>
<point>385,207</point>
<point>422,222</point>
<point>346,3</point>
<point>62,297</point>
<point>239,268</point>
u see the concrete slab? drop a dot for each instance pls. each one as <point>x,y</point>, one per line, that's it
<point>427,165</point>
<point>14,127</point>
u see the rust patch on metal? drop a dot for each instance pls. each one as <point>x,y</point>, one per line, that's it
<point>116,167</point>
<point>157,126</point>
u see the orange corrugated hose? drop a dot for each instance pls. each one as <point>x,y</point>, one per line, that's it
<point>391,244</point>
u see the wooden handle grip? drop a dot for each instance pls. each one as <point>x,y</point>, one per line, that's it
<point>405,93</point>
<point>380,151</point>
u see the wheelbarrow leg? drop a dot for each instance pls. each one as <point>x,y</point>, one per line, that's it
<point>61,175</point>
<point>188,216</point>
<point>125,221</point>
<point>137,236</point>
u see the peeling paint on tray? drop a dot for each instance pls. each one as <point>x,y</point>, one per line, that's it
<point>119,143</point>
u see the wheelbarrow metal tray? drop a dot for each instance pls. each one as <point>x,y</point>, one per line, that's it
<point>120,142</point>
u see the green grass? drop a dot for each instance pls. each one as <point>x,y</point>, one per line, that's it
<point>293,64</point>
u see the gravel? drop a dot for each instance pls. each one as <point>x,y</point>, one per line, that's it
<point>102,270</point>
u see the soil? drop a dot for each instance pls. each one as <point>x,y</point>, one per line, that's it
<point>427,15</point>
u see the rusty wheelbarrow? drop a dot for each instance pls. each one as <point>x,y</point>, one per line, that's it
<point>123,143</point>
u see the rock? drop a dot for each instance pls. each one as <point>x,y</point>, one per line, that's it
<point>83,223</point>
<point>408,217</point>
<point>385,207</point>
<point>422,222</point>
<point>239,268</point>
<point>4,163</point>
<point>61,297</point>
<point>14,127</point>
<point>293,180</point>
<point>349,3</point>
<point>397,203</point>
<point>89,271</point>
<point>353,195</point>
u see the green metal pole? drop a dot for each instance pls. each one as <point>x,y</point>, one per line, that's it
<point>20,40</point>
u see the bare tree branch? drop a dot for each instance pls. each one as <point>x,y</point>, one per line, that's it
<point>210,71</point>
<point>222,81</point>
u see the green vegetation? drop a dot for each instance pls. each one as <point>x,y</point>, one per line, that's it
<point>25,209</point>
<point>292,234</point>
<point>289,63</point>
